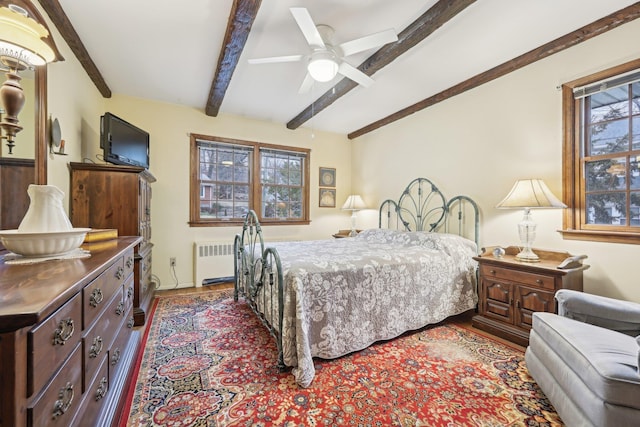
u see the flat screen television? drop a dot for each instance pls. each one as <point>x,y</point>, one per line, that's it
<point>123,143</point>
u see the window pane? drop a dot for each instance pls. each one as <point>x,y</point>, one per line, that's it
<point>606,208</point>
<point>635,103</point>
<point>609,137</point>
<point>605,174</point>
<point>636,133</point>
<point>635,173</point>
<point>635,208</point>
<point>611,104</point>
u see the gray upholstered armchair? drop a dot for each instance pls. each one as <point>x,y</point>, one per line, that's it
<point>586,359</point>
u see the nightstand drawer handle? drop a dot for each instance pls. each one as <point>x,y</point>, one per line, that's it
<point>492,271</point>
<point>539,281</point>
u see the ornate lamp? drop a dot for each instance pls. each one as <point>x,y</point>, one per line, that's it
<point>529,194</point>
<point>25,42</point>
<point>354,203</point>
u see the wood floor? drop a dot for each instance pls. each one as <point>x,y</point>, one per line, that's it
<point>462,319</point>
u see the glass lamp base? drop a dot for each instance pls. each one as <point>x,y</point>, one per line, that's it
<point>527,255</point>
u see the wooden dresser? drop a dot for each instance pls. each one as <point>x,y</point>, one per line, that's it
<point>510,291</point>
<point>67,342</point>
<point>110,196</point>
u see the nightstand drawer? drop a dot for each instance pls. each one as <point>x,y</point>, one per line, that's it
<point>532,279</point>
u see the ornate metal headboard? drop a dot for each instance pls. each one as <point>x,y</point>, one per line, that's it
<point>423,207</point>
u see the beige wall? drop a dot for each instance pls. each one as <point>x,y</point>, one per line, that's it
<point>512,129</point>
<point>169,127</point>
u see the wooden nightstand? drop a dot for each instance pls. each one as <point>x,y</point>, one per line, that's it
<point>510,291</point>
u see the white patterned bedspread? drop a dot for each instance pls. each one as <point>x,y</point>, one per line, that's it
<point>343,295</point>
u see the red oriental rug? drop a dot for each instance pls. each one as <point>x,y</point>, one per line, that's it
<point>208,361</point>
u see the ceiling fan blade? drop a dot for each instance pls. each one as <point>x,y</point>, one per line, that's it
<point>307,26</point>
<point>275,59</point>
<point>354,74</point>
<point>368,42</point>
<point>306,85</point>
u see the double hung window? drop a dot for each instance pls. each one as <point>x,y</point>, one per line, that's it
<point>601,155</point>
<point>231,177</point>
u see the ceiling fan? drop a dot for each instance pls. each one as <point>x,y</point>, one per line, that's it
<point>326,59</point>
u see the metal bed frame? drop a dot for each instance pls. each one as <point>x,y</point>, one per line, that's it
<point>258,270</point>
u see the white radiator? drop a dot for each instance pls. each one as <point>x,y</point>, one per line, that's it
<point>212,260</point>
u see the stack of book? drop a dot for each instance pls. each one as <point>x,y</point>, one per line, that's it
<point>100,238</point>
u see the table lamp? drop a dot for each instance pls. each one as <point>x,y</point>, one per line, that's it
<point>529,194</point>
<point>354,203</point>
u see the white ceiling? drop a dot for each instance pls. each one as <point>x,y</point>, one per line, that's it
<point>168,50</point>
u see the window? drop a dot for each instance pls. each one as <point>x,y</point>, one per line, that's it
<point>230,177</point>
<point>601,156</point>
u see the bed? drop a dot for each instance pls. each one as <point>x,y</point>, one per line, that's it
<point>328,298</point>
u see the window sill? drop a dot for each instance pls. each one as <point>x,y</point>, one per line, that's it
<point>601,236</point>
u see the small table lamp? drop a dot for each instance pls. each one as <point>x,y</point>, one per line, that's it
<point>354,203</point>
<point>529,194</point>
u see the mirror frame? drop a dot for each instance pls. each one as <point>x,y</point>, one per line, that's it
<point>41,140</point>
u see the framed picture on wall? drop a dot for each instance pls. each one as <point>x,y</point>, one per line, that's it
<point>327,198</point>
<point>327,177</point>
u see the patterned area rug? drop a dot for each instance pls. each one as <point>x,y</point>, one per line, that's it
<point>208,361</point>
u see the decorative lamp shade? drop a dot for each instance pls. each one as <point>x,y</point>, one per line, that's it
<point>23,38</point>
<point>530,193</point>
<point>354,203</point>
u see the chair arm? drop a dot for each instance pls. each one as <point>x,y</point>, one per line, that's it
<point>614,314</point>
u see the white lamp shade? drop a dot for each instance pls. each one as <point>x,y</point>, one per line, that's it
<point>530,193</point>
<point>21,37</point>
<point>354,203</point>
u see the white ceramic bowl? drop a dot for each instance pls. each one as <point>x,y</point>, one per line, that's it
<point>51,243</point>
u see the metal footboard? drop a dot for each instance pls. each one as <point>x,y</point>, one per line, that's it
<point>259,280</point>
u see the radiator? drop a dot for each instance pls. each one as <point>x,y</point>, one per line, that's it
<point>212,260</point>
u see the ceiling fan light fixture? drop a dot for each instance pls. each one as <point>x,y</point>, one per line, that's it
<point>323,66</point>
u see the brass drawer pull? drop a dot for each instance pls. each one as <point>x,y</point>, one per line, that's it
<point>130,292</point>
<point>120,273</point>
<point>96,347</point>
<point>96,297</point>
<point>65,398</point>
<point>63,332</point>
<point>539,281</point>
<point>120,308</point>
<point>492,271</point>
<point>101,391</point>
<point>115,358</point>
<point>130,323</point>
<point>129,262</point>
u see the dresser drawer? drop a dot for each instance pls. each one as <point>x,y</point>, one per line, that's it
<point>92,398</point>
<point>532,279</point>
<point>99,338</point>
<point>51,342</point>
<point>117,349</point>
<point>129,263</point>
<point>60,400</point>
<point>98,293</point>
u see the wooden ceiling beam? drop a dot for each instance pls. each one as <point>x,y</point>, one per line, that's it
<point>421,28</point>
<point>68,33</point>
<point>243,13</point>
<point>585,33</point>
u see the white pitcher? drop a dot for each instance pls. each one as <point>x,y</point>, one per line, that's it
<point>45,213</point>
